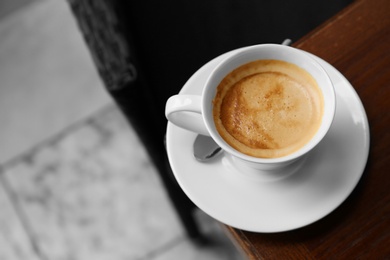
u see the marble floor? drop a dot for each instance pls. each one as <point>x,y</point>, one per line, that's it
<point>75,183</point>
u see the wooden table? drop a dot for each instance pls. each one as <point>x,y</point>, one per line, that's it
<point>356,41</point>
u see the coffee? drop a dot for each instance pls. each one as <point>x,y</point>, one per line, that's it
<point>268,108</point>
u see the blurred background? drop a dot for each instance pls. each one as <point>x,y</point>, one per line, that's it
<point>75,180</point>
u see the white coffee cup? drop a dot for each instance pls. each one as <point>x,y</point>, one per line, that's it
<point>195,113</point>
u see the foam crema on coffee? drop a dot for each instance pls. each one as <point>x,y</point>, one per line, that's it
<point>268,108</point>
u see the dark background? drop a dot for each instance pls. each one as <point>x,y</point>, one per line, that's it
<point>174,38</point>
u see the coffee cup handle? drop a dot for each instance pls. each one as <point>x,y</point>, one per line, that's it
<point>185,111</point>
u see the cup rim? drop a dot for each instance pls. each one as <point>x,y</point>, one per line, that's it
<point>314,141</point>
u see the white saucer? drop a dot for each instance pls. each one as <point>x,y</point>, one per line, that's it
<point>251,202</point>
